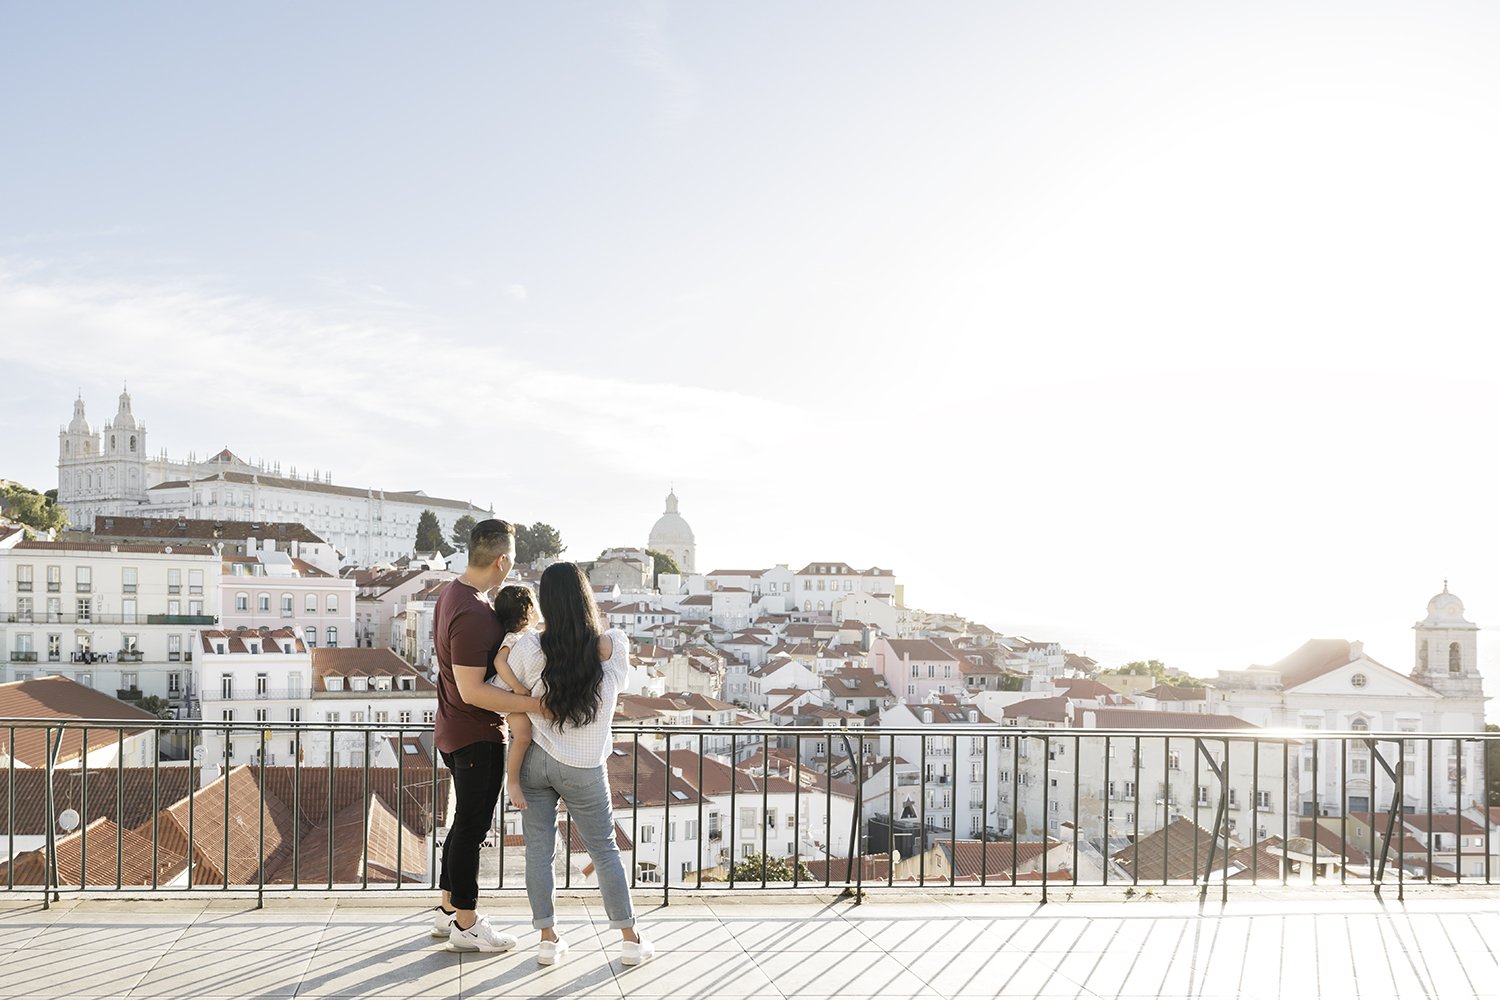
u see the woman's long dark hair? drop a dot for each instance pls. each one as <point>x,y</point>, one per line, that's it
<point>570,642</point>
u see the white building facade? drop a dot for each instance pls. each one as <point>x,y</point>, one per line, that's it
<point>122,619</point>
<point>110,472</point>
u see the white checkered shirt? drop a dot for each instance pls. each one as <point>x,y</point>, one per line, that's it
<point>576,746</point>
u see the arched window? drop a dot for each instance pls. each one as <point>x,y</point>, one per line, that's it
<point>333,603</point>
<point>1360,726</point>
<point>333,636</point>
<point>242,601</point>
<point>310,604</point>
<point>111,442</point>
<point>132,443</point>
<point>1422,657</point>
<point>310,636</point>
<point>1455,658</point>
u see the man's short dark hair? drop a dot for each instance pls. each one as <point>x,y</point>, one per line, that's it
<point>490,539</point>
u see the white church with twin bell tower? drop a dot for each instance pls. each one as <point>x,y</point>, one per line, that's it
<point>109,472</point>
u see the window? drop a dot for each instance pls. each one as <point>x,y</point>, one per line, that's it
<point>310,604</point>
<point>260,715</point>
<point>129,577</point>
<point>1174,760</point>
<point>23,578</point>
<point>333,636</point>
<point>286,605</point>
<point>382,717</point>
<point>85,607</point>
<point>310,636</point>
<point>1455,658</point>
<point>1360,725</point>
<point>1203,795</point>
<point>427,716</point>
<point>356,716</point>
<point>226,686</point>
<point>1358,680</point>
<point>1263,801</point>
<point>1359,766</point>
<point>404,718</point>
<point>263,602</point>
<point>648,834</point>
<point>195,581</point>
<point>260,684</point>
<point>332,604</point>
<point>242,601</point>
<point>54,579</point>
<point>1130,790</point>
<point>83,580</point>
<point>174,581</point>
<point>174,683</point>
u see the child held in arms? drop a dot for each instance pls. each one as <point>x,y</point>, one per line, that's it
<point>516,609</point>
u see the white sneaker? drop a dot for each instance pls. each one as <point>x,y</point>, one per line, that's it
<point>480,937</point>
<point>551,952</point>
<point>637,952</point>
<point>442,924</point>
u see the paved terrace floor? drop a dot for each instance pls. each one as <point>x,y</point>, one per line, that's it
<point>1260,946</point>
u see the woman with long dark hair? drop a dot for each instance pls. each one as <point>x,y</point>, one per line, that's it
<point>577,671</point>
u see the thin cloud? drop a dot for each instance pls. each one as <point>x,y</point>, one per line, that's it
<point>650,48</point>
<point>379,389</point>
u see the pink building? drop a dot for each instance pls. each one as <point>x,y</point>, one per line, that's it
<point>915,668</point>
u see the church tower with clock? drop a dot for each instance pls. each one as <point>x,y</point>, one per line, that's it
<point>1448,649</point>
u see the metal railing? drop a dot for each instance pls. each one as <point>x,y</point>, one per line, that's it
<point>340,806</point>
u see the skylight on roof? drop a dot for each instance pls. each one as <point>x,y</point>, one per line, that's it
<point>679,794</point>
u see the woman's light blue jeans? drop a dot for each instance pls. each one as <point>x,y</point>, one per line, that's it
<point>585,791</point>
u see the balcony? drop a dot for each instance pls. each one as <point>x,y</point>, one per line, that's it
<point>352,945</point>
<point>95,618</point>
<point>181,619</point>
<point>23,656</point>
<point>130,656</point>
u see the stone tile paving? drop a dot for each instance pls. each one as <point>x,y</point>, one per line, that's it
<point>774,947</point>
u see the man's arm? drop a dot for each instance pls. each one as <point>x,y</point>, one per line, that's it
<point>474,691</point>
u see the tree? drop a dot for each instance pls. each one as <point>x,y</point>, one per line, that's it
<point>38,511</point>
<point>537,541</point>
<point>1157,671</point>
<point>1012,682</point>
<point>663,563</point>
<point>756,867</point>
<point>461,529</point>
<point>156,705</point>
<point>430,534</point>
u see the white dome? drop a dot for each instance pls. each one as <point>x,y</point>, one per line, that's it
<point>124,419</point>
<point>78,425</point>
<point>671,528</point>
<point>1445,608</point>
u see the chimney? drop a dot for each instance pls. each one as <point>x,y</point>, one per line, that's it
<point>1356,650</point>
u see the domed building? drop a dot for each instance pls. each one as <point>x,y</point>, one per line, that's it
<point>672,536</point>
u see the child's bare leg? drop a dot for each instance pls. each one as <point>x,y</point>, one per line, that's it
<point>520,739</point>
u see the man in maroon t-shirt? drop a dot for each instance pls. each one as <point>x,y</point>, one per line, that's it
<point>469,731</point>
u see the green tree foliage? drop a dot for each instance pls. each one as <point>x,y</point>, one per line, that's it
<point>663,563</point>
<point>38,511</point>
<point>430,535</point>
<point>1012,682</point>
<point>753,868</point>
<point>156,705</point>
<point>461,529</point>
<point>1157,671</point>
<point>537,541</point>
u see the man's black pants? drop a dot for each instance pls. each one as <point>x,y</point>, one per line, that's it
<point>478,772</point>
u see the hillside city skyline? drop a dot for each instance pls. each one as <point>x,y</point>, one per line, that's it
<point>1110,650</point>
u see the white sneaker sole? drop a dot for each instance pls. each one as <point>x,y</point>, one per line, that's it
<point>550,960</point>
<point>455,945</point>
<point>441,933</point>
<point>635,961</point>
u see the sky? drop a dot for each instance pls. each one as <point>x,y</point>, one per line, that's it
<point>1163,329</point>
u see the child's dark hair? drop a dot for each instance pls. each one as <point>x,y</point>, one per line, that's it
<point>515,608</point>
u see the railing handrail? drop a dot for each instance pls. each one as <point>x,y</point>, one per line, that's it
<point>946,733</point>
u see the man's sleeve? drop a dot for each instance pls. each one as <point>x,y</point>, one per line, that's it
<point>469,642</point>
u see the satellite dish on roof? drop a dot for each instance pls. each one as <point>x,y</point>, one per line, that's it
<point>167,550</point>
<point>68,820</point>
<point>199,753</point>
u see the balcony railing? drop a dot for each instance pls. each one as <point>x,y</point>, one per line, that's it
<point>1037,834</point>
<point>23,656</point>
